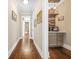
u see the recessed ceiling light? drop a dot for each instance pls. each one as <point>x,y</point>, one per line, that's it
<point>25,1</point>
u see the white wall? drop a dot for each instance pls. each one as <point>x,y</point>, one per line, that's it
<point>45,29</point>
<point>37,31</point>
<point>41,30</point>
<point>14,31</point>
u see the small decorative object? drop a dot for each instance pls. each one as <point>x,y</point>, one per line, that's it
<point>14,16</point>
<point>56,28</point>
<point>39,17</point>
<point>61,18</point>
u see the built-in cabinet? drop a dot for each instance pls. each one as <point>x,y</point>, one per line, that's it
<point>56,38</point>
<point>52,13</point>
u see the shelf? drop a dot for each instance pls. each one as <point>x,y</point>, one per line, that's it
<point>53,1</point>
<point>51,19</point>
<point>52,15</point>
<point>63,32</point>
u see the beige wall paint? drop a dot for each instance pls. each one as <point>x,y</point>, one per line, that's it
<point>14,31</point>
<point>61,12</point>
<point>68,21</point>
<point>65,25</point>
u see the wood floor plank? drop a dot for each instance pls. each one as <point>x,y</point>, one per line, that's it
<point>18,53</point>
<point>55,53</point>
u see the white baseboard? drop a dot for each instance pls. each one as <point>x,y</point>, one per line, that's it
<point>54,45</point>
<point>67,46</point>
<point>39,50</point>
<point>13,47</point>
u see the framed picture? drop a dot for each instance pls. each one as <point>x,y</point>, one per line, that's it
<point>14,16</point>
<point>61,18</point>
<point>39,17</point>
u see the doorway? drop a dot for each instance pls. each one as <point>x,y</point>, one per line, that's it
<point>25,24</point>
<point>26,27</point>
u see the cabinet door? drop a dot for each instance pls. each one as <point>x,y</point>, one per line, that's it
<point>60,38</point>
<point>52,40</point>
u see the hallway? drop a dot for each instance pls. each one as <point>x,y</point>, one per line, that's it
<point>27,16</point>
<point>19,53</point>
<point>47,24</point>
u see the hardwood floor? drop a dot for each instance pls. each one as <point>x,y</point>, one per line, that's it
<point>59,53</point>
<point>31,53</point>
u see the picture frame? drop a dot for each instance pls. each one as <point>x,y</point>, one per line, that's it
<point>14,16</point>
<point>39,17</point>
<point>61,18</point>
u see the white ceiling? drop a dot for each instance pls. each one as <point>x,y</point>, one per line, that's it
<point>24,8</point>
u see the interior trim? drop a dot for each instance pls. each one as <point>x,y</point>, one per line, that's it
<point>39,50</point>
<point>67,46</point>
<point>13,47</point>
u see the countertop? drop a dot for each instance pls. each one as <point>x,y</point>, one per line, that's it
<point>50,32</point>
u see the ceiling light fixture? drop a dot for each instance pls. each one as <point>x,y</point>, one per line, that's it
<point>25,1</point>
